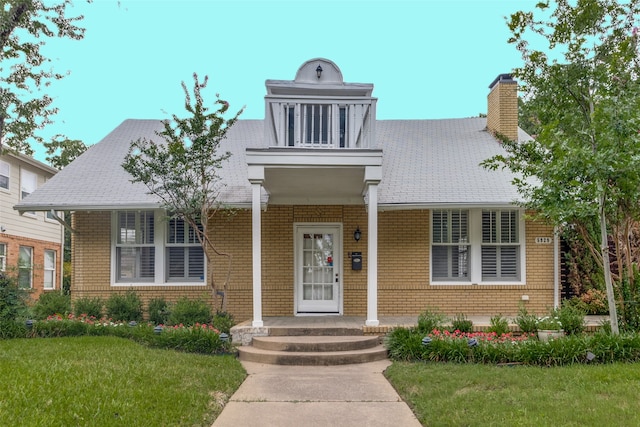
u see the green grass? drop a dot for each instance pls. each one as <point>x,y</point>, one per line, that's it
<point>105,381</point>
<point>481,395</point>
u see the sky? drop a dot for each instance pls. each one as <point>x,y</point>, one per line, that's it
<point>427,59</point>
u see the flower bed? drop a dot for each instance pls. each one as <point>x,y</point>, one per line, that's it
<point>409,344</point>
<point>200,338</point>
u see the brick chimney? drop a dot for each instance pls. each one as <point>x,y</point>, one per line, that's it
<point>502,109</point>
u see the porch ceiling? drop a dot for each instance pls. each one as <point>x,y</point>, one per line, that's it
<point>309,185</point>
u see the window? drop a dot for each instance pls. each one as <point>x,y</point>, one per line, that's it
<point>3,256</point>
<point>500,248</point>
<point>49,269</point>
<point>5,173</point>
<point>185,258</point>
<point>25,267</point>
<point>475,245</point>
<point>135,250</point>
<point>28,184</point>
<point>450,245</point>
<point>320,125</point>
<point>148,248</point>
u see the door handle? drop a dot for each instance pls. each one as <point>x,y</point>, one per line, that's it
<point>337,278</point>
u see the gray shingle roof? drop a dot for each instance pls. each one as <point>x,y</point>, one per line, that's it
<point>425,163</point>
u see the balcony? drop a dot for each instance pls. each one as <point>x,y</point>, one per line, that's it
<point>320,123</point>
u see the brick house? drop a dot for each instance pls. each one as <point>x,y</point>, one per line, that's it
<point>30,241</point>
<point>336,212</point>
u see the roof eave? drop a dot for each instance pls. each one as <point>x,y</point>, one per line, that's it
<point>447,205</point>
<point>26,207</point>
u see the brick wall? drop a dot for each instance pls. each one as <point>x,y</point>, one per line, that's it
<point>403,261</point>
<point>38,247</point>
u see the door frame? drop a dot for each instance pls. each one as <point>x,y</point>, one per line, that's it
<point>297,259</point>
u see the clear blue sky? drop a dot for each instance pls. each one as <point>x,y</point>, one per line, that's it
<point>426,58</point>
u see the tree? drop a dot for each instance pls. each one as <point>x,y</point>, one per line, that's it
<point>182,169</point>
<point>62,151</point>
<point>24,70</point>
<point>583,167</point>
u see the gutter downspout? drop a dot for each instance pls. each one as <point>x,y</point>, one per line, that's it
<point>62,222</point>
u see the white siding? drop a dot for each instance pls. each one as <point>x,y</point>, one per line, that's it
<point>28,225</point>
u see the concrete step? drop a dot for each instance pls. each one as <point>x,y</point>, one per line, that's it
<point>315,343</point>
<point>311,358</point>
<point>280,331</point>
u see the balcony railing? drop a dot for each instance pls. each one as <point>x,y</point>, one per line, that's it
<point>320,124</point>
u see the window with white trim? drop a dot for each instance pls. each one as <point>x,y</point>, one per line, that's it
<point>3,256</point>
<point>49,269</point>
<point>28,184</point>
<point>25,267</point>
<point>476,246</point>
<point>5,174</point>
<point>149,248</point>
<point>500,245</point>
<point>135,249</point>
<point>185,258</point>
<point>450,248</point>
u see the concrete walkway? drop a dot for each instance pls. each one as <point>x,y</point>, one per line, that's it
<point>344,395</point>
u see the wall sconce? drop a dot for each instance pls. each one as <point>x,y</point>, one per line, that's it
<point>357,234</point>
<point>319,71</point>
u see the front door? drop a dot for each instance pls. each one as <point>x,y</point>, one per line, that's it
<point>318,282</point>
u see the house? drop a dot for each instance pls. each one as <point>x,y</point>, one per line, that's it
<point>30,241</point>
<point>336,212</point>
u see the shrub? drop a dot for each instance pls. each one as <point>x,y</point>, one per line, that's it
<point>158,311</point>
<point>572,318</point>
<point>194,339</point>
<point>12,329</point>
<point>51,303</point>
<point>13,299</point>
<point>429,320</point>
<point>478,347</point>
<point>593,301</point>
<point>405,344</point>
<point>125,307</point>
<point>58,326</point>
<point>527,322</point>
<point>223,321</point>
<point>461,323</point>
<point>88,306</point>
<point>498,325</point>
<point>189,312</point>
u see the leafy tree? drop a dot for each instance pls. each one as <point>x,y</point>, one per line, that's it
<point>24,70</point>
<point>62,151</point>
<point>181,168</point>
<point>584,165</point>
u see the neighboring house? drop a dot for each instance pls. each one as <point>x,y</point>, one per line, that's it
<point>336,212</point>
<point>30,241</point>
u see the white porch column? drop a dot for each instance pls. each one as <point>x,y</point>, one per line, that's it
<point>372,257</point>
<point>256,239</point>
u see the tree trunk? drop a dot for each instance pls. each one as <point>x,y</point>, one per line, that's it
<point>604,246</point>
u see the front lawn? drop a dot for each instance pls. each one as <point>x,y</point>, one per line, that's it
<point>447,394</point>
<point>111,381</point>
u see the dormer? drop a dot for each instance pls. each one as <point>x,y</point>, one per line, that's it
<point>319,110</point>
